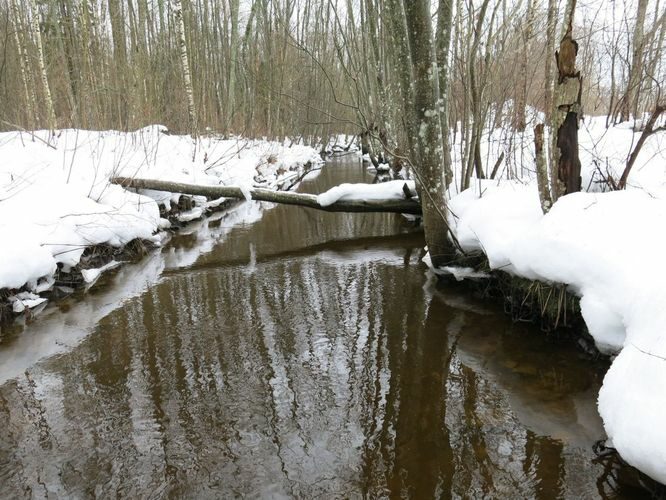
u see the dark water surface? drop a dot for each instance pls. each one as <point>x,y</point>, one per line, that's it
<point>303,355</point>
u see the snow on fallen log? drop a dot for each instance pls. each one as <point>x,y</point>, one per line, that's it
<point>346,201</point>
<point>392,190</point>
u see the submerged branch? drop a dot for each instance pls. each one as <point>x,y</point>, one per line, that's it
<point>287,198</point>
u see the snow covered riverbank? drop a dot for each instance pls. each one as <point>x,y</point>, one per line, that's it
<point>608,248</point>
<point>56,201</point>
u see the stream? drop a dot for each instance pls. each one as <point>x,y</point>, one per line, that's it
<point>287,352</point>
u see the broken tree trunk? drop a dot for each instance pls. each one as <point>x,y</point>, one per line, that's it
<point>566,113</point>
<point>304,200</point>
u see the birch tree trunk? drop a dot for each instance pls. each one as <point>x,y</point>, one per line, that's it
<point>542,169</point>
<point>37,35</point>
<point>565,164</point>
<point>550,49</point>
<point>28,89</point>
<point>185,65</point>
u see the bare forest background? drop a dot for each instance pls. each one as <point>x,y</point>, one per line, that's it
<point>309,69</point>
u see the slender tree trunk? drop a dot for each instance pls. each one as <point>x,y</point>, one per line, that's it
<point>444,28</point>
<point>28,89</point>
<point>473,158</point>
<point>233,55</point>
<point>117,18</point>
<point>631,98</point>
<point>519,122</point>
<point>550,49</point>
<point>647,132</point>
<point>46,90</point>
<point>542,169</point>
<point>660,33</point>
<point>185,65</point>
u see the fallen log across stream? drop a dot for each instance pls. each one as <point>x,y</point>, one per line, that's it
<point>405,206</point>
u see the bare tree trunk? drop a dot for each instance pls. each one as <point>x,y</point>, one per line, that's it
<point>37,35</point>
<point>473,159</point>
<point>542,170</point>
<point>631,98</point>
<point>185,65</point>
<point>427,133</point>
<point>30,99</point>
<point>566,110</point>
<point>659,31</point>
<point>403,65</point>
<point>550,49</point>
<point>519,122</point>
<point>443,43</point>
<point>233,55</point>
<point>117,18</point>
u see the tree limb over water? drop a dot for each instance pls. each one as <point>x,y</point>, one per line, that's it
<point>286,198</point>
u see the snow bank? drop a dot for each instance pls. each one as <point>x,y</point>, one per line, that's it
<point>392,190</point>
<point>55,198</point>
<point>608,248</point>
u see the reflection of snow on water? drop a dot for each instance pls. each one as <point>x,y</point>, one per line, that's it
<point>338,365</point>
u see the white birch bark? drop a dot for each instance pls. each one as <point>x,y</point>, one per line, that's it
<point>550,51</point>
<point>185,65</point>
<point>48,101</point>
<point>28,89</point>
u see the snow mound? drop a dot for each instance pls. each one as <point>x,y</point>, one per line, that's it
<point>607,247</point>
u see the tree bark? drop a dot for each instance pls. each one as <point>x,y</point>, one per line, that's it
<point>185,66</point>
<point>550,49</point>
<point>565,116</point>
<point>444,29</point>
<point>631,97</point>
<point>233,56</point>
<point>37,35</point>
<point>407,206</point>
<point>427,132</point>
<point>542,170</point>
<point>24,65</point>
<point>519,121</point>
